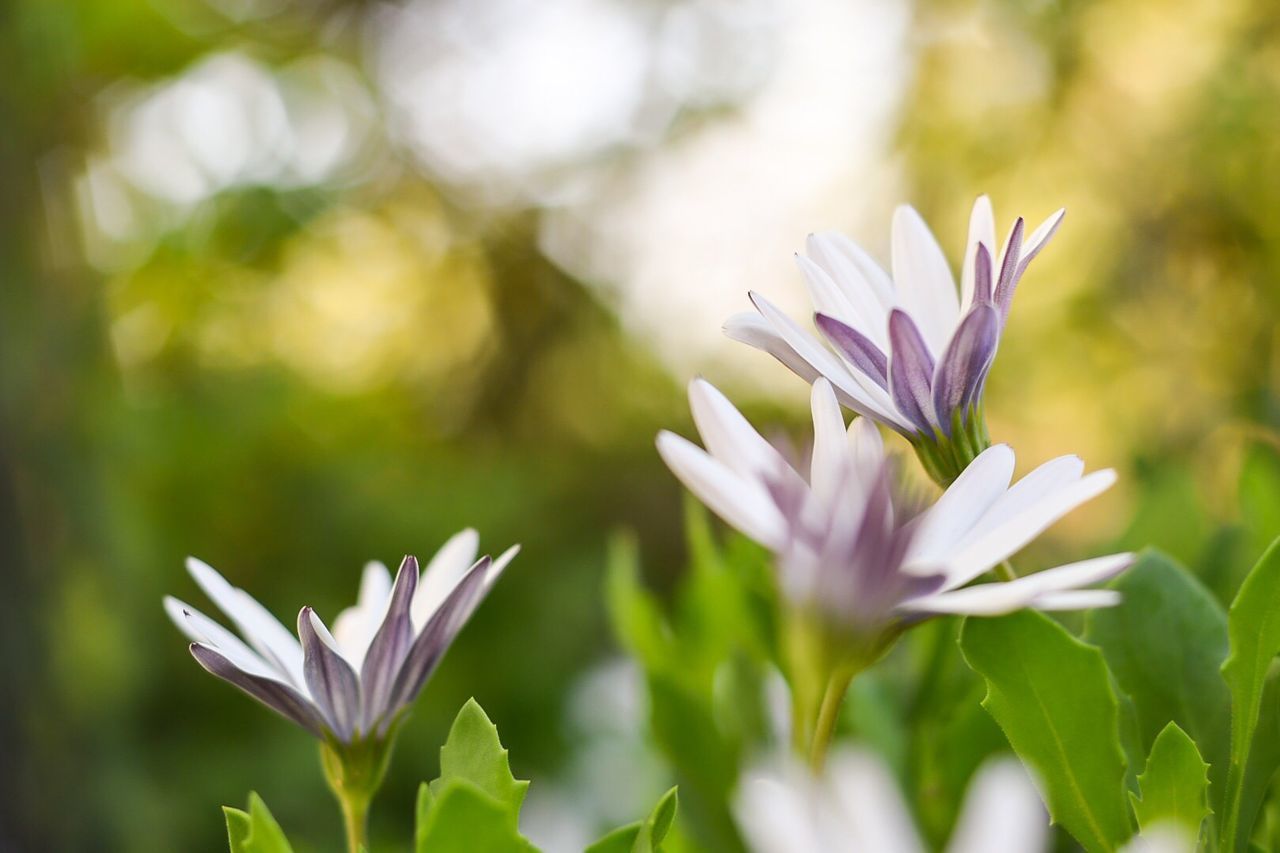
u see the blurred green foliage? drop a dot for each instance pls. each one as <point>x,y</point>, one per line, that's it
<point>288,381</point>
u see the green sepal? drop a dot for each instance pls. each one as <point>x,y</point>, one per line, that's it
<point>254,831</point>
<point>943,456</point>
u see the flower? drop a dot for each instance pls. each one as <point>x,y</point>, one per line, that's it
<point>909,351</point>
<point>855,805</point>
<point>351,684</point>
<point>852,549</point>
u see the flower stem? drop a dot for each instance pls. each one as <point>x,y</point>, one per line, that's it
<point>828,716</point>
<point>1006,571</point>
<point>354,772</point>
<point>355,818</point>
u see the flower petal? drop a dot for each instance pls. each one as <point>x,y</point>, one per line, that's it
<point>855,307</point>
<point>276,695</point>
<point>982,232</point>
<point>743,503</point>
<point>1059,587</point>
<point>853,270</point>
<point>1002,811</point>
<point>1008,279</point>
<point>857,348</point>
<point>435,637</point>
<point>262,630</point>
<point>203,630</point>
<point>923,279</point>
<point>911,372</point>
<point>442,573</point>
<point>961,506</point>
<point>728,436</point>
<point>963,369</point>
<point>334,686</point>
<point>989,548</point>
<point>1078,599</point>
<point>1040,238</point>
<point>754,330</point>
<point>830,463</point>
<point>982,276</point>
<point>389,646</point>
<point>354,628</point>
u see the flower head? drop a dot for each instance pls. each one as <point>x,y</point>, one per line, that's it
<point>855,805</point>
<point>353,683</point>
<point>851,548</point>
<point>911,351</point>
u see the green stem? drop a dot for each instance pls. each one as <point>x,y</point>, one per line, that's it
<point>355,818</point>
<point>354,772</point>
<point>1006,571</point>
<point>828,716</point>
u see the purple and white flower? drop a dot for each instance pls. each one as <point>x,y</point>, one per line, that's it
<point>351,684</point>
<point>851,548</point>
<point>909,351</point>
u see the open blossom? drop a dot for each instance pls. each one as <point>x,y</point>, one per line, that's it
<point>352,683</point>
<point>848,544</point>
<point>855,806</point>
<point>911,351</point>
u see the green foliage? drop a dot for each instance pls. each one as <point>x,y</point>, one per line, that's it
<point>1175,784</point>
<point>255,831</point>
<point>1165,644</point>
<point>1052,696</point>
<point>474,753</point>
<point>645,836</point>
<point>1253,625</point>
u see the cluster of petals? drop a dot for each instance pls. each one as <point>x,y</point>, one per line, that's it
<point>353,682</point>
<point>910,351</point>
<point>848,543</point>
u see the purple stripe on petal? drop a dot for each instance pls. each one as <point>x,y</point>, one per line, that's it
<point>910,371</point>
<point>331,680</point>
<point>435,637</point>
<point>389,646</point>
<point>982,275</point>
<point>965,363</point>
<point>1009,269</point>
<point>276,695</point>
<point>856,347</point>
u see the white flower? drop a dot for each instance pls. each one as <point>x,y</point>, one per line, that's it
<point>354,682</point>
<point>855,807</point>
<point>910,352</point>
<point>850,546</point>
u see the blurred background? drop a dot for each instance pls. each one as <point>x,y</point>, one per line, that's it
<point>293,284</point>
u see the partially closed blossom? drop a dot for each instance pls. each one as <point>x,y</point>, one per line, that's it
<point>851,548</point>
<point>351,684</point>
<point>855,807</point>
<point>910,351</point>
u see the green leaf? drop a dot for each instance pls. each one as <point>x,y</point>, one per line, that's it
<point>474,753</point>
<point>637,619</point>
<point>1175,785</point>
<point>463,818</point>
<point>421,811</point>
<point>1165,644</point>
<point>1052,696</point>
<point>1253,626</point>
<point>255,831</point>
<point>644,836</point>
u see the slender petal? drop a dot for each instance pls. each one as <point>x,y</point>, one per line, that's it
<point>1052,585</point>
<point>982,286</point>
<point>911,372</point>
<point>389,646</point>
<point>964,365</point>
<point>854,307</point>
<point>1002,813</point>
<point>433,641</point>
<point>1077,599</point>
<point>961,506</point>
<point>442,574</point>
<point>922,277</point>
<point>830,442</point>
<point>742,503</point>
<point>752,329</point>
<point>982,233</point>
<point>354,628</point>
<point>203,630</point>
<point>262,630</point>
<point>727,435</point>
<point>1040,238</point>
<point>276,695</point>
<point>856,348</point>
<point>1009,268</point>
<point>334,685</point>
<point>867,795</point>
<point>851,267</point>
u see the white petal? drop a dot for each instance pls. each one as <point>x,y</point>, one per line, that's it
<point>497,566</point>
<point>201,629</point>
<point>1077,599</point>
<point>853,306</point>
<point>355,627</point>
<point>262,630</point>
<point>830,463</point>
<point>867,795</point>
<point>1002,813</point>
<point>1041,236</point>
<point>741,502</point>
<point>961,506</point>
<point>923,279</point>
<point>988,545</point>
<point>442,574</point>
<point>852,268</point>
<point>754,330</point>
<point>859,392</point>
<point>728,436</point>
<point>982,229</point>
<point>779,816</point>
<point>1057,586</point>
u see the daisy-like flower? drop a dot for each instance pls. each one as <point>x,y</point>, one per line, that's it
<point>911,351</point>
<point>351,685</point>
<point>855,806</point>
<point>850,547</point>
